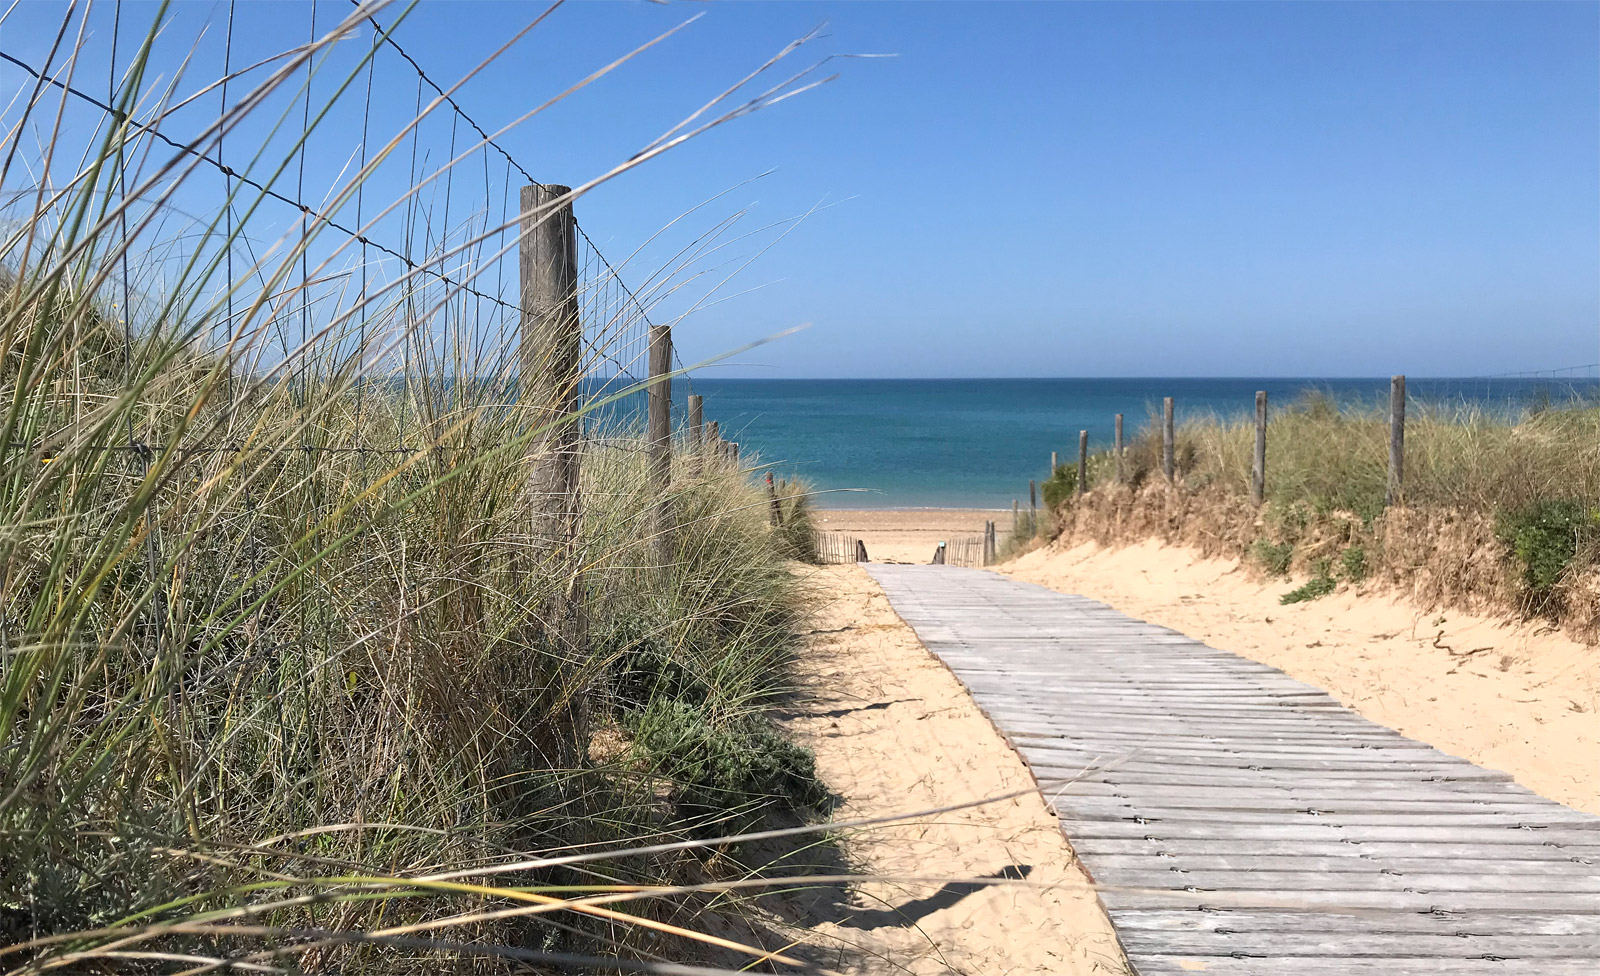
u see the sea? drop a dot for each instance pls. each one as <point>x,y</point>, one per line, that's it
<point>975,443</point>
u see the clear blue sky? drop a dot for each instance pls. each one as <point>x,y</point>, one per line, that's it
<point>1089,189</point>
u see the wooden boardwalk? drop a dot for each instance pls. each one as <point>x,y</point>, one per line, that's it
<point>1242,823</point>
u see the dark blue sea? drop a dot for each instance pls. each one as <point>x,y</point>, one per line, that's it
<point>975,443</point>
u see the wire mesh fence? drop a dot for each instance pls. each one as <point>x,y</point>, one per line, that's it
<point>382,294</point>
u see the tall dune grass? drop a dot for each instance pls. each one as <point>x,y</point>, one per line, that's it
<point>277,662</point>
<point>1457,455</point>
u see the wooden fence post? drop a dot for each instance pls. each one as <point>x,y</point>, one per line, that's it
<point>659,404</point>
<point>1033,507</point>
<point>772,496</point>
<point>696,423</point>
<point>1258,467</point>
<point>1168,435</point>
<point>550,360</point>
<point>1014,517</point>
<point>1397,440</point>
<point>1116,447</point>
<point>1053,464</point>
<point>1083,462</point>
<point>713,441</point>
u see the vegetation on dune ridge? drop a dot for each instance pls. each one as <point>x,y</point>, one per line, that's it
<point>265,664</point>
<point>290,672</point>
<point>1501,513</point>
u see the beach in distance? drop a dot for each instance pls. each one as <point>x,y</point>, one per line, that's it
<point>974,443</point>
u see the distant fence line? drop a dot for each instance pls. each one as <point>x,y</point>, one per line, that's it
<point>833,548</point>
<point>1582,386</point>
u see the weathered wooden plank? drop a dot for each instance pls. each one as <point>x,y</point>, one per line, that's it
<point>1356,862</point>
<point>1109,767</point>
<point>1133,760</point>
<point>1181,877</point>
<point>1155,846</point>
<point>1117,897</point>
<point>1152,964</point>
<point>1168,829</point>
<point>1455,924</point>
<point>1362,944</point>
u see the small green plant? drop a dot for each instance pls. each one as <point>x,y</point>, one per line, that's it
<point>1320,584</point>
<point>1061,486</point>
<point>1289,521</point>
<point>1544,537</point>
<point>1272,557</point>
<point>1353,564</point>
<point>720,766</point>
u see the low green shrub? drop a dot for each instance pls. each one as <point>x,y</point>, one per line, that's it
<point>1320,584</point>
<point>1288,522</point>
<point>1272,557</point>
<point>1353,564</point>
<point>1544,537</point>
<point>1060,487</point>
<point>726,768</point>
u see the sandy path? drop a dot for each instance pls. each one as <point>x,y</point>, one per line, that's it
<point>909,535</point>
<point>894,732</point>
<point>1517,698</point>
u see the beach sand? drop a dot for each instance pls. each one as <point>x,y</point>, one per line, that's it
<point>909,535</point>
<point>894,732</point>
<point>1517,697</point>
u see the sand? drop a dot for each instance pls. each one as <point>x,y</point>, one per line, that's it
<point>909,535</point>
<point>893,733</point>
<point>1516,697</point>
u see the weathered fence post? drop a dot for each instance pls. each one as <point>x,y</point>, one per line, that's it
<point>1033,507</point>
<point>1168,435</point>
<point>1116,447</point>
<point>772,496</point>
<point>550,357</point>
<point>1053,464</point>
<point>660,434</point>
<point>696,428</point>
<point>735,446</point>
<point>1258,466</point>
<point>1014,516</point>
<point>1397,440</point>
<point>1083,462</point>
<point>714,441</point>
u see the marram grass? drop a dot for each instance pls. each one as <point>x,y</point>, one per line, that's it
<point>280,685</point>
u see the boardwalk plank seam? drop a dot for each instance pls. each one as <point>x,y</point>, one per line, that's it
<point>1239,821</point>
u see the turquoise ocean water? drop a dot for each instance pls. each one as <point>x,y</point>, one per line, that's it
<point>975,443</point>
